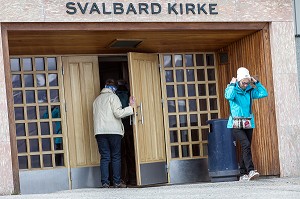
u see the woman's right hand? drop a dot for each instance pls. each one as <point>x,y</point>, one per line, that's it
<point>132,101</point>
<point>233,80</point>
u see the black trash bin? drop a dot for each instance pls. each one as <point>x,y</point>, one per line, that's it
<point>222,163</point>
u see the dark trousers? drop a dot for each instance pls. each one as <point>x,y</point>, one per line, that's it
<point>110,150</point>
<point>244,136</point>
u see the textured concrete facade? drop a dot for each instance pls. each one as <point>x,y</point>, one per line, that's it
<point>278,12</point>
<point>6,171</point>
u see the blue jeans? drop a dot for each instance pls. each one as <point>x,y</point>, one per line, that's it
<point>109,146</point>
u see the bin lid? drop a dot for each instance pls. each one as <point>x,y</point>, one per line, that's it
<point>216,120</point>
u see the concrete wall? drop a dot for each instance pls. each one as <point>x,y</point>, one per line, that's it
<point>229,11</point>
<point>298,57</point>
<point>6,171</point>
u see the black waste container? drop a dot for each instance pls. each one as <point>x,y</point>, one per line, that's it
<point>222,163</point>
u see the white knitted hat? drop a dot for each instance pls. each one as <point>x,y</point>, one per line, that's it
<point>242,73</point>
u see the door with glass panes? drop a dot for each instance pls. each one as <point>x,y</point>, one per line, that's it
<point>40,124</point>
<point>190,96</point>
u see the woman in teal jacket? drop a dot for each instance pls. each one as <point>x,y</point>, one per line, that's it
<point>240,94</point>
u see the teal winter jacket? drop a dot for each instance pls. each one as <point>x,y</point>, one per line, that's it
<point>239,100</point>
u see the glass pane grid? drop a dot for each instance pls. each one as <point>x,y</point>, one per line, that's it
<point>193,78</point>
<point>36,92</point>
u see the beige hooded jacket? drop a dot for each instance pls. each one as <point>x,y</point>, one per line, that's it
<point>107,111</point>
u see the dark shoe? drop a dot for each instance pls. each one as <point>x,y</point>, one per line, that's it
<point>105,186</point>
<point>121,185</point>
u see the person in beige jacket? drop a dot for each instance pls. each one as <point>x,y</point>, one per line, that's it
<point>109,130</point>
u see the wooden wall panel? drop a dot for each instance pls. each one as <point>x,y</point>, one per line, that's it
<point>253,52</point>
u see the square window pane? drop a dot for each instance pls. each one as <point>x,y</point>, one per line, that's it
<point>55,111</point>
<point>194,119</point>
<point>173,136</point>
<point>39,64</point>
<point>203,104</point>
<point>15,64</point>
<point>46,144</point>
<point>52,63</point>
<point>31,113</point>
<point>174,152</point>
<point>183,120</point>
<point>180,91</point>
<point>54,95</point>
<point>171,106</point>
<point>27,64</point>
<point>35,161</point>
<point>170,91</point>
<point>32,129</point>
<point>22,146</point>
<point>211,74</point>
<point>47,158</point>
<point>41,80</point>
<point>44,112</point>
<point>58,143</point>
<point>190,76</point>
<point>28,80</point>
<point>169,76</point>
<point>189,60</point>
<point>192,105</point>
<point>179,76</point>
<point>23,162</point>
<point>201,75</point>
<point>212,89</point>
<point>59,159</point>
<point>196,149</point>
<point>16,81</point>
<point>204,119</point>
<point>184,135</point>
<point>18,97</point>
<point>167,60</point>
<point>214,116</point>
<point>56,127</point>
<point>181,106</point>
<point>45,128</point>
<point>210,60</point>
<point>195,134</point>
<point>213,102</point>
<point>20,129</point>
<point>204,134</point>
<point>19,113</point>
<point>200,60</point>
<point>42,96</point>
<point>202,90</point>
<point>172,121</point>
<point>185,150</point>
<point>30,97</point>
<point>205,150</point>
<point>53,79</point>
<point>34,145</point>
<point>178,61</point>
<point>191,90</point>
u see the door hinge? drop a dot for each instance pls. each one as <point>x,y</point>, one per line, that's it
<point>162,102</point>
<point>167,168</point>
<point>62,70</point>
<point>65,107</point>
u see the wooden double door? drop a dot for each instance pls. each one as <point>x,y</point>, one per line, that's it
<point>82,86</point>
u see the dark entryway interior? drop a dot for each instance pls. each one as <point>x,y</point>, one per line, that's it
<point>116,67</point>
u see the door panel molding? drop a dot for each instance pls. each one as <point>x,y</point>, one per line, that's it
<point>148,121</point>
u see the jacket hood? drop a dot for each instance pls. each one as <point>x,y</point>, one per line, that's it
<point>106,90</point>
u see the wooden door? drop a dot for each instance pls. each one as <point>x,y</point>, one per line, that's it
<point>82,86</point>
<point>148,121</point>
